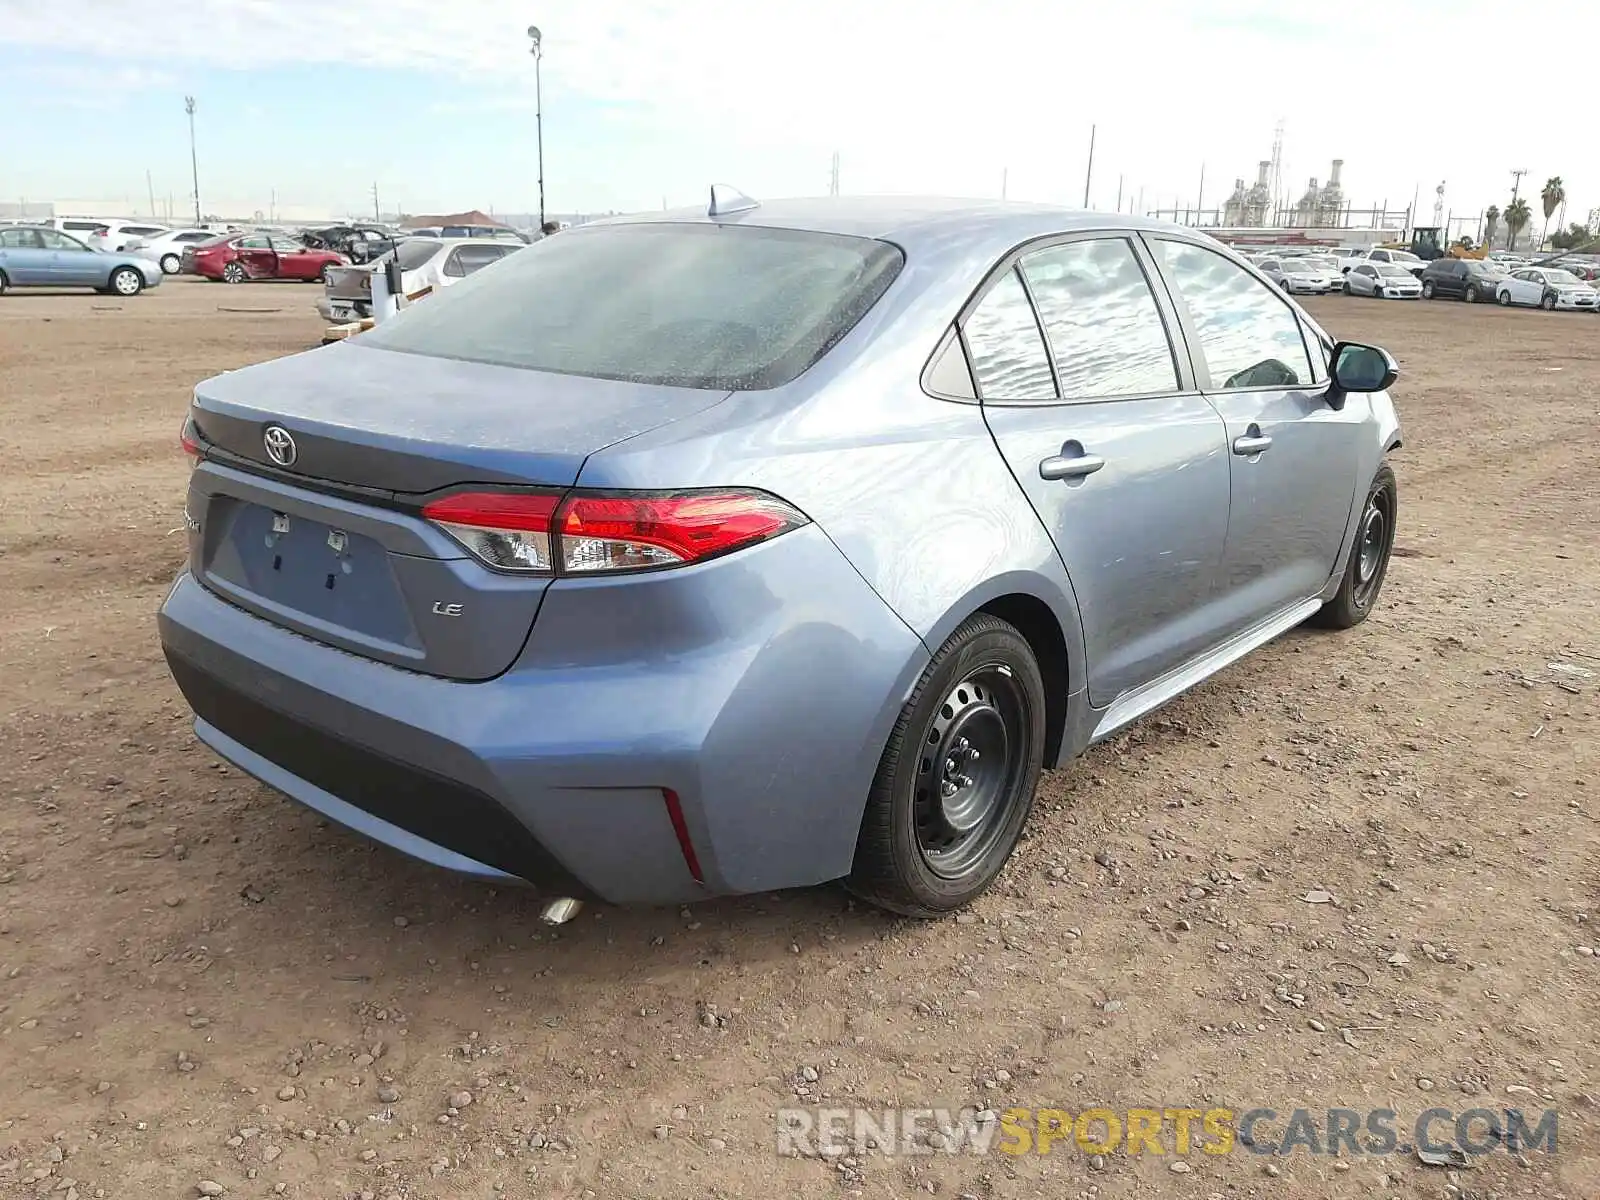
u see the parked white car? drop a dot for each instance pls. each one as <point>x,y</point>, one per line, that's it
<point>119,236</point>
<point>1381,279</point>
<point>1549,288</point>
<point>426,263</point>
<point>1400,258</point>
<point>1301,275</point>
<point>167,248</point>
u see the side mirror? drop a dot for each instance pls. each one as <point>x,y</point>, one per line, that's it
<point>1359,368</point>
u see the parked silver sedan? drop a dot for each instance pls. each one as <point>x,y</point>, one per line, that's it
<point>426,264</point>
<point>1301,275</point>
<point>752,547</point>
<point>1382,280</point>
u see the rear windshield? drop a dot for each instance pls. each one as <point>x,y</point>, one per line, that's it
<point>726,307</point>
<point>413,254</point>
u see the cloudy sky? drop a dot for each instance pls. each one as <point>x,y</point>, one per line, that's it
<point>651,100</point>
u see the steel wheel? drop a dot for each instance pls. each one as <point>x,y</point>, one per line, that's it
<point>968,767</point>
<point>955,783</point>
<point>1368,562</point>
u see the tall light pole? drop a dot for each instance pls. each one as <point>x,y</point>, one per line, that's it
<point>538,110</point>
<point>194,161</point>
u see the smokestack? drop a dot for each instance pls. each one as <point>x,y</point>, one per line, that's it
<point>1264,173</point>
<point>1333,176</point>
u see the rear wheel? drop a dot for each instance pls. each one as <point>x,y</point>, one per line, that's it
<point>1505,299</point>
<point>125,281</point>
<point>1369,557</point>
<point>170,264</point>
<point>234,273</point>
<point>5,284</point>
<point>956,780</point>
<point>323,276</point>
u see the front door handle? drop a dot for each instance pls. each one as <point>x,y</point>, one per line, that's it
<point>1075,467</point>
<point>1251,444</point>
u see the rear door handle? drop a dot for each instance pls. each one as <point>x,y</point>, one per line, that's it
<point>1076,467</point>
<point>1251,444</point>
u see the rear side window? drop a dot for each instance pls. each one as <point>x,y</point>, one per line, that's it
<point>1100,319</point>
<point>1009,359</point>
<point>1248,336</point>
<point>414,254</point>
<point>725,307</point>
<point>468,259</point>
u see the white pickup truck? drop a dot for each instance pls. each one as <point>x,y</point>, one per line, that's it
<point>1400,258</point>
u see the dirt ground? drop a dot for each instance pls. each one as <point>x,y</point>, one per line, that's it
<point>199,981</point>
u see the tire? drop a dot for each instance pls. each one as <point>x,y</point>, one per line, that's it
<point>1427,289</point>
<point>322,277</point>
<point>925,851</point>
<point>125,281</point>
<point>1347,287</point>
<point>170,263</point>
<point>1368,563</point>
<point>1549,302</point>
<point>1471,294</point>
<point>5,284</point>
<point>234,273</point>
<point>1504,298</point>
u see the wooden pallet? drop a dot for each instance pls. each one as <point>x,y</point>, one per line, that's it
<point>338,333</point>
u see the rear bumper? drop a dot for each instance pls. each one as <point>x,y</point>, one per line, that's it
<point>765,712</point>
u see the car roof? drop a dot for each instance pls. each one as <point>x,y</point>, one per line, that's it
<point>918,224</point>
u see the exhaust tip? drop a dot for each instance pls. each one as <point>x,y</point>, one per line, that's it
<point>560,911</point>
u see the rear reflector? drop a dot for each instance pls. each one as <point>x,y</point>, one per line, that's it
<point>591,533</point>
<point>681,828</point>
<point>190,443</point>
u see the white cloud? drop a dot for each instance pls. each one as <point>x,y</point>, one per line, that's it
<point>932,95</point>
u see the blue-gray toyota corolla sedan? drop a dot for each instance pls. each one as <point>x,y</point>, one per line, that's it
<point>767,544</point>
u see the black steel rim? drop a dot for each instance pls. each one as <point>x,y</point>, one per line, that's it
<point>1372,548</point>
<point>972,762</point>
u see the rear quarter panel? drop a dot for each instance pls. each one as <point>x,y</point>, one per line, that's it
<point>910,489</point>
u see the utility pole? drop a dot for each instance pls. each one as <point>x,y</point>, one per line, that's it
<point>537,39</point>
<point>375,214</point>
<point>1005,177</point>
<point>833,178</point>
<point>1516,182</point>
<point>1088,173</point>
<point>1119,193</point>
<point>194,161</point>
<point>150,187</point>
<point>1200,197</point>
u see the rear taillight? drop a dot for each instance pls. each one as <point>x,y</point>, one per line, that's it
<point>596,533</point>
<point>190,443</point>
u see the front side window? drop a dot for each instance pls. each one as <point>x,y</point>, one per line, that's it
<point>1249,337</point>
<point>60,241</point>
<point>253,243</point>
<point>285,245</point>
<point>1105,333</point>
<point>18,239</point>
<point>724,307</point>
<point>1009,359</point>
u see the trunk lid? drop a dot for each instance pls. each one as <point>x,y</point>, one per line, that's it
<point>349,283</point>
<point>330,545</point>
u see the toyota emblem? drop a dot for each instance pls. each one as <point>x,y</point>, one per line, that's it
<point>280,445</point>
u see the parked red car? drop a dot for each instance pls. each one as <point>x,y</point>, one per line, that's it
<point>239,257</point>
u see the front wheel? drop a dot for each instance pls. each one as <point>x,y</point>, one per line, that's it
<point>1346,288</point>
<point>956,781</point>
<point>1427,289</point>
<point>170,264</point>
<point>1368,563</point>
<point>1549,302</point>
<point>1471,296</point>
<point>125,281</point>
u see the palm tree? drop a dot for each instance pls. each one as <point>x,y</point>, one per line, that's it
<point>1517,218</point>
<point>1491,223</point>
<point>1554,195</point>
